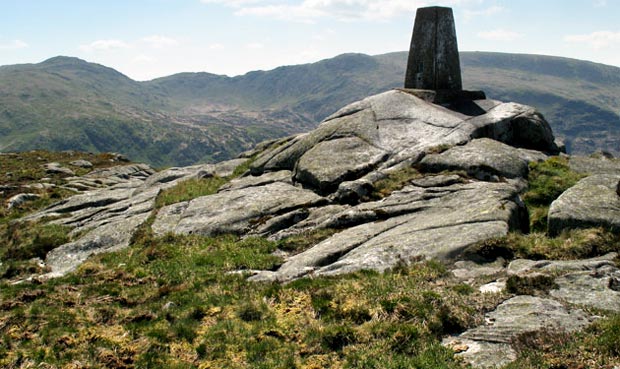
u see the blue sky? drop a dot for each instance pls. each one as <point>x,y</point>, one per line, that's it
<point>146,39</point>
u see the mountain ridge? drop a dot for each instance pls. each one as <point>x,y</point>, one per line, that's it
<point>196,117</point>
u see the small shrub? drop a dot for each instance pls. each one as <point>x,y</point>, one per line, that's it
<point>304,241</point>
<point>336,337</point>
<point>249,312</point>
<point>608,336</point>
<point>26,241</point>
<point>570,245</point>
<point>547,180</point>
<point>533,284</point>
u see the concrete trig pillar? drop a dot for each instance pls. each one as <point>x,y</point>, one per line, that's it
<point>434,62</point>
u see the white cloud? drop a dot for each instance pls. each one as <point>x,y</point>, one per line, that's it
<point>600,3</point>
<point>492,10</point>
<point>14,45</point>
<point>216,46</point>
<point>159,41</point>
<point>596,40</point>
<point>344,10</point>
<point>255,45</point>
<point>500,35</point>
<point>105,45</point>
<point>143,59</point>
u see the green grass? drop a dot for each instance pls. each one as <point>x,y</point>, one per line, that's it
<point>547,181</point>
<point>198,187</point>
<point>177,301</point>
<point>190,189</point>
<point>571,245</point>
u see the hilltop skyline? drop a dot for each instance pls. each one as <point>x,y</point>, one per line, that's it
<point>146,39</point>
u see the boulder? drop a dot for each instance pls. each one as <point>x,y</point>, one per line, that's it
<point>524,266</point>
<point>82,163</point>
<point>594,165</point>
<point>386,129</point>
<point>285,176</point>
<point>20,199</point>
<point>56,168</point>
<point>596,289</point>
<point>592,202</point>
<point>109,237</point>
<point>234,211</point>
<point>321,169</point>
<point>483,158</point>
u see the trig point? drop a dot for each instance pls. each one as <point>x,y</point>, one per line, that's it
<point>434,54</point>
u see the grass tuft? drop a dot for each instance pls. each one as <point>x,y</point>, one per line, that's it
<point>547,181</point>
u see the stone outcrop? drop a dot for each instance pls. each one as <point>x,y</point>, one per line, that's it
<point>21,198</point>
<point>592,202</point>
<point>467,171</point>
<point>414,223</point>
<point>483,158</point>
<point>489,345</point>
<point>322,179</point>
<point>233,211</point>
<point>591,283</point>
<point>112,204</point>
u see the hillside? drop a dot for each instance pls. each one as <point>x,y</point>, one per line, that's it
<point>65,103</point>
<point>397,234</point>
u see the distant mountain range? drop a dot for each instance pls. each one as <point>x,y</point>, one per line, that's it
<point>66,103</point>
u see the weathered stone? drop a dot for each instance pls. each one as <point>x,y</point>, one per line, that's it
<point>109,237</point>
<point>330,216</point>
<point>82,163</point>
<point>168,217</point>
<point>172,176</point>
<point>591,288</point>
<point>524,266</point>
<point>103,219</point>
<point>481,354</point>
<point>438,181</point>
<point>227,168</point>
<point>493,287</point>
<point>285,176</point>
<point>434,56</point>
<point>592,202</point>
<point>522,314</point>
<point>397,127</point>
<point>235,211</point>
<point>482,158</point>
<point>419,223</point>
<point>594,165</point>
<point>321,169</point>
<point>122,172</point>
<point>517,125</point>
<point>467,270</point>
<point>56,168</point>
<point>489,345</point>
<point>20,199</point>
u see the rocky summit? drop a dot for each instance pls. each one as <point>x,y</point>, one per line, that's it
<point>466,168</point>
